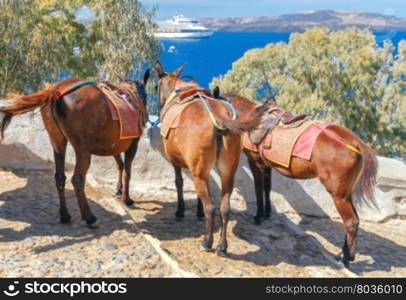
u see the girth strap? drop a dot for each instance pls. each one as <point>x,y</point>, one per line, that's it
<point>70,89</point>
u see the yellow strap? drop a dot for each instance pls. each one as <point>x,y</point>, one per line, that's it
<point>352,148</point>
<point>215,123</point>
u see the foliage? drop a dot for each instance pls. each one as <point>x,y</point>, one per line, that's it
<point>337,76</point>
<point>42,38</point>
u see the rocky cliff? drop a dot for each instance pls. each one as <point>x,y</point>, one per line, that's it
<point>301,21</point>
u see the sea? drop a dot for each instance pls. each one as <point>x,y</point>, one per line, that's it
<point>208,58</point>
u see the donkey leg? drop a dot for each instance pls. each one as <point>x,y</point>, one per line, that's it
<point>120,168</point>
<point>180,212</point>
<point>227,182</point>
<point>199,211</point>
<point>129,157</point>
<point>227,165</point>
<point>60,179</point>
<point>351,223</point>
<point>78,182</point>
<point>259,190</point>
<point>267,187</point>
<point>202,189</point>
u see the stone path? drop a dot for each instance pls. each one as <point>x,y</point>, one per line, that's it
<point>148,242</point>
<point>34,244</point>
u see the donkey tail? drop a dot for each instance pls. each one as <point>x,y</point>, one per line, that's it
<point>16,104</point>
<point>364,187</point>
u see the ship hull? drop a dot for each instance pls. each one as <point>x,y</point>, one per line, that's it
<point>183,35</point>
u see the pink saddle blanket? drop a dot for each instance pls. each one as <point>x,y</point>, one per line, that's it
<point>305,143</point>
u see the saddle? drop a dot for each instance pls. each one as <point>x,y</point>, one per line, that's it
<point>126,107</point>
<point>188,89</point>
<point>186,93</point>
<point>273,117</point>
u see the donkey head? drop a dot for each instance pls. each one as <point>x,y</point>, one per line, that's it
<point>167,82</point>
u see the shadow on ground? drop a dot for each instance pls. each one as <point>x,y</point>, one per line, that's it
<point>33,207</point>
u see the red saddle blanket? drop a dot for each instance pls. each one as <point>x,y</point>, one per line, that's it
<point>287,142</point>
<point>124,112</point>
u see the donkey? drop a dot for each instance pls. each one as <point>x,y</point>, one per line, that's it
<point>205,137</point>
<point>82,117</point>
<point>344,169</point>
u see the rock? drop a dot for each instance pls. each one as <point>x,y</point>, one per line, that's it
<point>144,255</point>
<point>273,234</point>
<point>152,262</point>
<point>110,246</point>
<point>304,259</point>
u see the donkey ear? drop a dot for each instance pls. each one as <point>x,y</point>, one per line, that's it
<point>146,76</point>
<point>216,92</point>
<point>159,69</point>
<point>179,70</point>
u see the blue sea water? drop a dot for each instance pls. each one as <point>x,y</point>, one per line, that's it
<point>208,58</point>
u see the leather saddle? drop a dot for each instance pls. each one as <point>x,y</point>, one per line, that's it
<point>188,89</point>
<point>185,92</point>
<point>270,119</point>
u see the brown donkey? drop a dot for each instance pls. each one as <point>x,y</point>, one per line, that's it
<point>199,143</point>
<point>82,117</point>
<point>341,171</point>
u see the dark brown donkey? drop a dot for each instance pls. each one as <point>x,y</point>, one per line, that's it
<point>205,137</point>
<point>83,118</point>
<point>341,171</point>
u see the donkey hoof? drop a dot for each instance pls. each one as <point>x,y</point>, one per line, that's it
<point>118,194</point>
<point>200,215</point>
<point>205,246</point>
<point>129,203</point>
<point>179,216</point>
<point>65,219</point>
<point>220,251</point>
<point>92,222</point>
<point>257,220</point>
<point>346,263</point>
<point>267,216</point>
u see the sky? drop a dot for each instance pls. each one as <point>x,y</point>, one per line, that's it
<point>241,8</point>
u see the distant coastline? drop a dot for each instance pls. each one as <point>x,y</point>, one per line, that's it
<point>299,22</point>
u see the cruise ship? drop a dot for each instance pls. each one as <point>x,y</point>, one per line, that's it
<point>181,27</point>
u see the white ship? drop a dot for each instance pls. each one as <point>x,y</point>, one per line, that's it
<point>180,27</point>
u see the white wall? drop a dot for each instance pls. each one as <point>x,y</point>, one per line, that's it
<point>27,146</point>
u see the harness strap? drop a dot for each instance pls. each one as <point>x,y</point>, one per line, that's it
<point>341,141</point>
<point>211,115</point>
<point>227,103</point>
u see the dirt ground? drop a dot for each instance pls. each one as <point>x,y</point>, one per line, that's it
<point>34,243</point>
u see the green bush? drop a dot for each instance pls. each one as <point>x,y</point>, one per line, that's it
<point>39,38</point>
